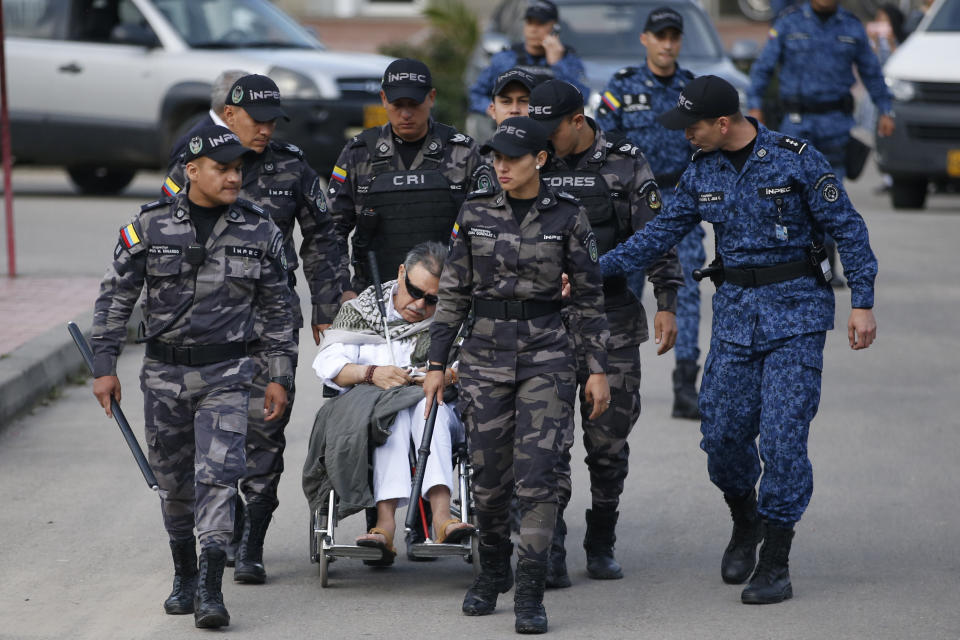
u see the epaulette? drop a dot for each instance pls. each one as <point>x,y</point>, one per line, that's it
<point>287,147</point>
<point>568,197</point>
<point>626,148</point>
<point>626,72</point>
<point>797,146</point>
<point>461,138</point>
<point>478,193</point>
<point>793,8</point>
<point>249,206</point>
<point>355,141</point>
<point>696,155</point>
<point>156,204</point>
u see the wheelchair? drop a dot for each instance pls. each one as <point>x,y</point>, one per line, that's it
<point>324,548</point>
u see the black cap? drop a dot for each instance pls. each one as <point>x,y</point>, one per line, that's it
<point>517,137</point>
<point>406,78</point>
<point>517,75</point>
<point>552,100</point>
<point>541,11</point>
<point>703,97</point>
<point>216,142</point>
<point>663,18</point>
<point>259,96</point>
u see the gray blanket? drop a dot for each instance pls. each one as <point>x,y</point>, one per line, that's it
<point>344,432</point>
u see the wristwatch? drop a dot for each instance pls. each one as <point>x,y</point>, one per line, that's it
<point>284,381</point>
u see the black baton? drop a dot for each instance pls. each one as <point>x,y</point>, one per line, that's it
<point>131,439</point>
<point>422,454</point>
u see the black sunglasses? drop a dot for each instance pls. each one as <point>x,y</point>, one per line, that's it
<point>417,293</point>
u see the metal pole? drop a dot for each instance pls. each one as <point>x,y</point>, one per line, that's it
<point>5,150</point>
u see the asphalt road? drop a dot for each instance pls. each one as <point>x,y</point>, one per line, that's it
<point>84,555</point>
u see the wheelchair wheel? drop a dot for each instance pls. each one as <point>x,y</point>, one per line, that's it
<point>314,538</point>
<point>324,570</point>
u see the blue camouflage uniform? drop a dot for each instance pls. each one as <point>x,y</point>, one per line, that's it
<point>762,375</point>
<point>570,68</point>
<point>816,61</point>
<point>630,104</point>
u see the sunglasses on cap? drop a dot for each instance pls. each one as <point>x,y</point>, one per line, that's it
<point>417,293</point>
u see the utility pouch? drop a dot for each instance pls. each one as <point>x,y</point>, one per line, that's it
<point>195,255</point>
<point>817,255</point>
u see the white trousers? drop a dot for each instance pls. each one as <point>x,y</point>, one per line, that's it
<point>391,463</point>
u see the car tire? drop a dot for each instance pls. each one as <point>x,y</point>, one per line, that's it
<point>100,181</point>
<point>908,193</point>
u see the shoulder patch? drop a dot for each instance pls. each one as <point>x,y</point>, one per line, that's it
<point>461,138</point>
<point>249,206</point>
<point>170,186</point>
<point>129,238</point>
<point>628,149</point>
<point>625,72</point>
<point>568,196</point>
<point>290,148</point>
<point>797,146</point>
<point>156,204</point>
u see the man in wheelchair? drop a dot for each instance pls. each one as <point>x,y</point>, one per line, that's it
<point>355,352</point>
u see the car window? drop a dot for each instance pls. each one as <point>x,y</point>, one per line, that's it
<point>947,18</point>
<point>233,24</point>
<point>109,21</point>
<point>46,19</point>
<point>602,30</point>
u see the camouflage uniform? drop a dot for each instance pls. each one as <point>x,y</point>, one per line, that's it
<point>517,376</point>
<point>635,201</point>
<point>633,99</point>
<point>453,154</point>
<point>196,416</point>
<point>281,182</point>
<point>762,375</point>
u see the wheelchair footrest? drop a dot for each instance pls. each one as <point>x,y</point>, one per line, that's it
<point>433,550</point>
<point>353,551</point>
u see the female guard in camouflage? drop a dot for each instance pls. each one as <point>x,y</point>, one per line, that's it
<point>508,252</point>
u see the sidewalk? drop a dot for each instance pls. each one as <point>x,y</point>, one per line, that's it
<point>36,353</point>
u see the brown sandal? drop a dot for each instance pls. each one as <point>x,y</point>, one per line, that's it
<point>456,536</point>
<point>386,548</point>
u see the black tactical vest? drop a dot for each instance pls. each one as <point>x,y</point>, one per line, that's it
<point>403,208</point>
<point>593,193</point>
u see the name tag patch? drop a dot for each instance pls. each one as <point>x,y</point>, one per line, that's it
<point>244,252</point>
<point>711,196</point>
<point>165,250</point>
<point>474,232</point>
<point>283,193</point>
<point>773,192</point>
<point>551,237</point>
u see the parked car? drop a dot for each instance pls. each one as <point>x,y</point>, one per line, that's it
<point>104,87</point>
<point>925,81</point>
<point>606,35</point>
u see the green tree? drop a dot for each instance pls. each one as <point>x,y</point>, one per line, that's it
<point>453,36</point>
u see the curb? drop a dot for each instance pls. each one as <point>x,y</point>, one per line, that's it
<point>31,371</point>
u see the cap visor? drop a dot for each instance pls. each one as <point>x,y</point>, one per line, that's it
<point>540,15</point>
<point>676,119</point>
<point>418,94</point>
<point>506,147</point>
<point>668,24</point>
<point>501,88</point>
<point>549,125</point>
<point>228,153</point>
<point>266,112</point>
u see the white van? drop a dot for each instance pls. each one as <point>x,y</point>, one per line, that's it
<point>924,77</point>
<point>103,87</point>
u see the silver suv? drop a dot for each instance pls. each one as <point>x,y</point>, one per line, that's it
<point>104,87</point>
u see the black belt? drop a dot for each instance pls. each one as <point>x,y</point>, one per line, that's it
<point>767,275</point>
<point>844,104</point>
<point>668,180</point>
<point>514,309</point>
<point>198,355</point>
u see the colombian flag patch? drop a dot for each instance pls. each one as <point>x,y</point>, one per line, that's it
<point>170,187</point>
<point>612,103</point>
<point>456,231</point>
<point>338,174</point>
<point>773,33</point>
<point>129,236</point>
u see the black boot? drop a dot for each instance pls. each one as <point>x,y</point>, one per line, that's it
<point>598,543</point>
<point>528,597</point>
<point>184,576</point>
<point>557,576</point>
<point>685,397</point>
<point>208,609</point>
<point>250,554</point>
<point>238,520</point>
<point>771,581</point>
<point>740,556</point>
<point>496,577</point>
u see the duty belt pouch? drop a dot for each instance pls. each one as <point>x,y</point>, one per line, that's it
<point>820,262</point>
